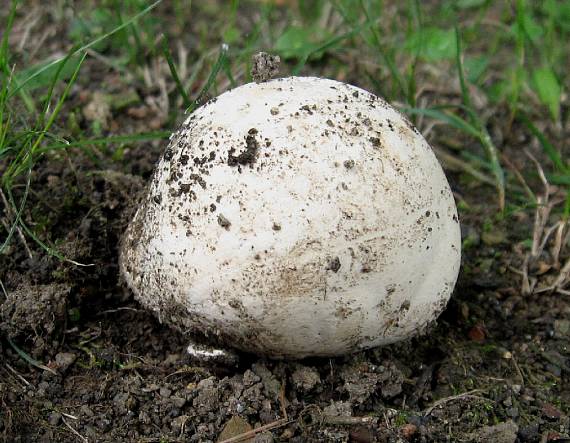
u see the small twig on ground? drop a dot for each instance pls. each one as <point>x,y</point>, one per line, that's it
<point>3,290</point>
<point>542,209</point>
<point>518,369</point>
<point>282,401</point>
<point>276,424</point>
<point>182,427</point>
<point>247,435</point>
<point>559,242</point>
<point>541,236</point>
<point>190,370</point>
<point>519,176</point>
<point>81,437</point>
<point>112,311</point>
<point>17,374</point>
<point>527,284</point>
<point>547,233</point>
<point>347,421</point>
<point>317,416</point>
<point>564,277</point>
<point>73,417</point>
<point>465,395</point>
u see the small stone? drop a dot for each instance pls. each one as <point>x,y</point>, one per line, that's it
<point>338,409</point>
<point>305,378</point>
<point>287,434</point>
<point>271,385</point>
<point>86,411</point>
<point>54,418</point>
<point>477,333</point>
<point>408,431</point>
<point>549,411</point>
<point>178,423</point>
<point>98,110</point>
<point>208,395</point>
<point>505,432</point>
<point>561,328</point>
<point>64,360</point>
<point>144,417</point>
<point>554,436</point>
<point>171,359</point>
<point>554,370</point>
<point>250,378</point>
<point>165,392</point>
<point>235,426</point>
<point>361,435</point>
<point>529,433</point>
<point>178,402</point>
<point>138,112</point>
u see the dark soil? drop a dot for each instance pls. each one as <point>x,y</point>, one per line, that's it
<point>81,361</point>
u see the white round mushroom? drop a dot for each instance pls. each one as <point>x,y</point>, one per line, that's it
<point>298,217</point>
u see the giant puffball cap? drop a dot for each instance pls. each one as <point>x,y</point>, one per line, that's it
<point>297,217</point>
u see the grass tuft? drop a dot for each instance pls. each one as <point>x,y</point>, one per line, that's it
<point>23,144</point>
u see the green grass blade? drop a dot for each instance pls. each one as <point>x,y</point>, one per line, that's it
<point>26,161</point>
<point>53,83</point>
<point>20,208</point>
<point>168,56</point>
<point>388,60</point>
<point>6,32</point>
<point>105,140</point>
<point>465,95</point>
<point>211,78</point>
<point>415,22</point>
<point>4,116</point>
<point>547,147</point>
<point>51,251</point>
<point>4,57</point>
<point>84,48</point>
<point>548,89</point>
<point>476,122</point>
<point>496,168</point>
<point>450,119</point>
<point>331,42</point>
<point>17,167</point>
<point>29,359</point>
<point>559,179</point>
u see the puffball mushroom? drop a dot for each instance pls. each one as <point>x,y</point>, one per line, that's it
<point>297,217</point>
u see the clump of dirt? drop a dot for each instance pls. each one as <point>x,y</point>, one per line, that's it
<point>264,66</point>
<point>249,155</point>
<point>35,313</point>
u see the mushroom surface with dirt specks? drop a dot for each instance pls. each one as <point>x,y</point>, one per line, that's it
<point>297,217</point>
